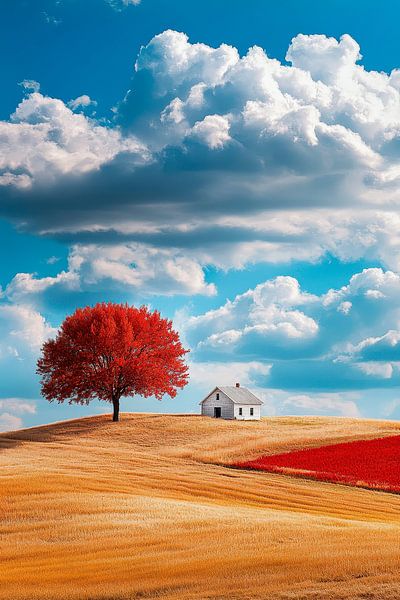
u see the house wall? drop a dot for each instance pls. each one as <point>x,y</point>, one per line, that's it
<point>226,404</point>
<point>246,412</point>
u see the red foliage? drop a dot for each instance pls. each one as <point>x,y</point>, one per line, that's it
<point>112,350</point>
<point>367,463</point>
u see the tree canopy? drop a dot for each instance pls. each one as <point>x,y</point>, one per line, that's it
<point>109,351</point>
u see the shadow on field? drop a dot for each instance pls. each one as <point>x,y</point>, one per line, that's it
<point>54,431</point>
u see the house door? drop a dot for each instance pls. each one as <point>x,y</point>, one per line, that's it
<point>217,412</point>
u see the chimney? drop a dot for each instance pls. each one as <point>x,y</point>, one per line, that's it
<point>238,385</point>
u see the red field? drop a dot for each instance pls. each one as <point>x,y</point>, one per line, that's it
<point>368,463</point>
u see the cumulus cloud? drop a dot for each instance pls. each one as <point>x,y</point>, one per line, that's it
<point>213,130</point>
<point>342,339</point>
<point>220,159</point>
<point>45,141</point>
<point>14,411</point>
<point>52,260</point>
<point>264,321</point>
<point>82,102</point>
<point>141,269</point>
<point>373,283</point>
<point>25,285</point>
<point>377,357</point>
<point>370,300</point>
<point>22,331</point>
<point>376,370</point>
<point>9,422</point>
<point>18,405</point>
<point>383,348</point>
<point>326,59</point>
<point>30,84</point>
<point>204,375</point>
<point>238,158</point>
<point>321,404</point>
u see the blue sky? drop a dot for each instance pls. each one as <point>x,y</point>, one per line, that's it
<point>235,165</point>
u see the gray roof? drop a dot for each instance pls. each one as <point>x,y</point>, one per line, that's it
<point>238,395</point>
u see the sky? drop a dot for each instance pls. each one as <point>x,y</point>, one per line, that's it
<point>235,165</point>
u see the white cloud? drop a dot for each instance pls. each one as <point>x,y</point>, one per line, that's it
<point>326,59</point>
<point>18,405</point>
<point>9,422</point>
<point>82,101</point>
<point>343,339</point>
<point>30,84</point>
<point>291,161</point>
<point>45,140</point>
<point>390,407</point>
<point>391,339</point>
<point>206,375</point>
<point>213,130</point>
<point>22,330</point>
<point>373,284</point>
<point>304,102</point>
<point>378,355</point>
<point>266,315</point>
<point>27,284</point>
<point>134,267</point>
<point>376,369</point>
<point>345,307</point>
<point>52,260</point>
<point>152,270</point>
<point>331,404</point>
<point>172,60</point>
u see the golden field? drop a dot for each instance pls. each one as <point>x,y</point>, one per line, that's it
<point>149,508</point>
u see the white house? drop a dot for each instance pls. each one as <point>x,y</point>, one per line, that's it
<point>232,402</point>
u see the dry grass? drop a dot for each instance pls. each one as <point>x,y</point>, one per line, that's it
<point>92,509</point>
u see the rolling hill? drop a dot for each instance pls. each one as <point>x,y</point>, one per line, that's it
<point>149,508</point>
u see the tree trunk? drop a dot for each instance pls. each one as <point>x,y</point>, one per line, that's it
<point>116,409</point>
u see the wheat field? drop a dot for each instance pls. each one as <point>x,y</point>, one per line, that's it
<point>149,508</point>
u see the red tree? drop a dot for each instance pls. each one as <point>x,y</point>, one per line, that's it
<point>112,350</point>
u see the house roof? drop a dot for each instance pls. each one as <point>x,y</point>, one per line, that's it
<point>238,395</point>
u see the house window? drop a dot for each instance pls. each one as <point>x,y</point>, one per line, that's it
<point>240,412</point>
<point>251,412</point>
<point>217,396</point>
